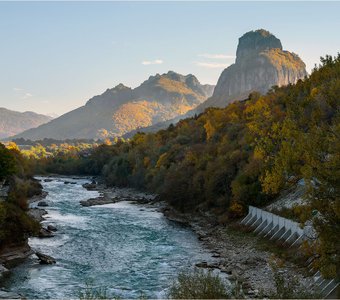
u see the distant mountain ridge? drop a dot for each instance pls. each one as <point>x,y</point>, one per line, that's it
<point>122,109</point>
<point>14,122</point>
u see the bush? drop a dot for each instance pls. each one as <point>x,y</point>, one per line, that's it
<point>15,224</point>
<point>289,287</point>
<point>199,285</point>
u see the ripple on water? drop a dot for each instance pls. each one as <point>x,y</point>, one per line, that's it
<point>117,246</point>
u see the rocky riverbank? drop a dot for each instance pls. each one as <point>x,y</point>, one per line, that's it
<point>109,195</point>
<point>236,253</point>
<point>12,255</point>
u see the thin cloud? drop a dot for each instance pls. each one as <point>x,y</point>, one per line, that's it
<point>152,62</point>
<point>15,89</point>
<point>217,56</point>
<point>210,65</point>
<point>27,95</point>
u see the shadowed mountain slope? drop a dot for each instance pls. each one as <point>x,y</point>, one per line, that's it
<point>14,122</point>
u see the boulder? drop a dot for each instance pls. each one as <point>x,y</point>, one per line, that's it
<point>51,228</point>
<point>48,180</point>
<point>45,259</point>
<point>203,264</point>
<point>89,186</point>
<point>9,295</point>
<point>14,255</point>
<point>3,271</point>
<point>45,233</point>
<point>42,204</point>
<point>37,213</point>
<point>98,201</point>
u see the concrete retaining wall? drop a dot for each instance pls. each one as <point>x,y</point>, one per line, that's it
<point>291,234</point>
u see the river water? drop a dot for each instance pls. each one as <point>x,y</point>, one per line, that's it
<point>123,248</point>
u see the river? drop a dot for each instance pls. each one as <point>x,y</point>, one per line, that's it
<point>123,248</point>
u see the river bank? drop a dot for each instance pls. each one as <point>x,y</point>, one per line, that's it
<point>236,253</point>
<point>15,254</point>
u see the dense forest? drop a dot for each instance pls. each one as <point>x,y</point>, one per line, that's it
<point>228,158</point>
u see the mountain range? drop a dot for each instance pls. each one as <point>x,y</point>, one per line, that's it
<point>122,109</point>
<point>261,63</point>
<point>14,122</point>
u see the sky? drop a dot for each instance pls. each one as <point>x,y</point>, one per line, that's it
<point>57,55</point>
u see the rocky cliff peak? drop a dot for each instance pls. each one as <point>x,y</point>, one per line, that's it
<point>254,42</point>
<point>120,87</point>
<point>260,64</point>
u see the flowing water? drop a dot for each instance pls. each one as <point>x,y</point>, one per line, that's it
<point>123,248</point>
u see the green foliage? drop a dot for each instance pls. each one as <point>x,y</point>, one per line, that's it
<point>15,224</point>
<point>199,285</point>
<point>7,162</point>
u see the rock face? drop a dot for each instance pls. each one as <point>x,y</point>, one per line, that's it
<point>122,109</point>
<point>260,64</point>
<point>12,256</point>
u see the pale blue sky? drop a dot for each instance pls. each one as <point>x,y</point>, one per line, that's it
<point>56,55</point>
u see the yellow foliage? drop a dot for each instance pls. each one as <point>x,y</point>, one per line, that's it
<point>146,161</point>
<point>161,160</point>
<point>236,209</point>
<point>209,129</point>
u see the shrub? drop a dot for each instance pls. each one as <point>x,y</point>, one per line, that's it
<point>199,285</point>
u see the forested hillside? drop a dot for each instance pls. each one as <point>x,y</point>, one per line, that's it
<point>246,153</point>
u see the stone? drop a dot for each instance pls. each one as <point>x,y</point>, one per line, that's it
<point>51,228</point>
<point>89,186</point>
<point>42,204</point>
<point>14,255</point>
<point>9,295</point>
<point>98,201</point>
<point>48,180</point>
<point>45,233</point>
<point>3,271</point>
<point>203,264</point>
<point>37,213</point>
<point>45,259</point>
